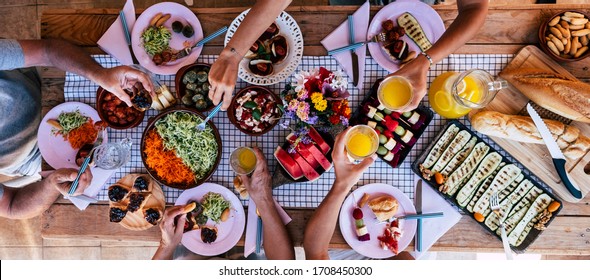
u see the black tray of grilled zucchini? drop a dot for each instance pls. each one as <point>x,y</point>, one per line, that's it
<point>473,170</point>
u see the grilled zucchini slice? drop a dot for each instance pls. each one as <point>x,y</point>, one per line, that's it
<point>454,147</point>
<point>493,221</point>
<point>540,203</point>
<point>414,31</point>
<point>459,157</point>
<point>483,187</point>
<point>466,168</point>
<point>503,179</point>
<point>485,169</point>
<point>439,146</point>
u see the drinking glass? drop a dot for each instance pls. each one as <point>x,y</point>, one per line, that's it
<point>361,142</point>
<point>243,160</point>
<point>113,155</point>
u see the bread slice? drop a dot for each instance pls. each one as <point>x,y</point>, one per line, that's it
<point>384,207</point>
<point>555,92</point>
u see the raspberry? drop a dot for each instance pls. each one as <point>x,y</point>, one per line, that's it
<point>357,214</point>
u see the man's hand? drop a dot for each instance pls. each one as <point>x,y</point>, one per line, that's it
<point>347,172</point>
<point>172,227</point>
<point>416,72</point>
<point>259,185</point>
<point>116,79</point>
<point>62,179</point>
<point>222,78</point>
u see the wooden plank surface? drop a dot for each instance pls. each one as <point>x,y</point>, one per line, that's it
<point>565,235</point>
<point>533,156</point>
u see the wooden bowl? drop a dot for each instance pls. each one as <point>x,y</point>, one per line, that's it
<point>181,87</point>
<point>231,111</point>
<point>151,125</point>
<point>100,94</point>
<point>544,32</point>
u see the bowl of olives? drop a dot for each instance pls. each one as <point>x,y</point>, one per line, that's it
<point>192,86</point>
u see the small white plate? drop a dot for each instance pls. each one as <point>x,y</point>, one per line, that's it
<point>371,248</point>
<point>228,232</point>
<point>290,30</point>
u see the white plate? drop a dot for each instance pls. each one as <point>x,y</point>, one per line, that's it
<point>428,18</point>
<point>371,248</point>
<point>228,232</point>
<point>290,30</point>
<point>56,151</point>
<point>178,12</point>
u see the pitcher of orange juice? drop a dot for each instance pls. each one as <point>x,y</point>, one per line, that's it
<point>452,95</point>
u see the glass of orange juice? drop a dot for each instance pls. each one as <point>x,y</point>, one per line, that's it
<point>453,95</point>
<point>395,93</point>
<point>361,141</point>
<point>243,160</point>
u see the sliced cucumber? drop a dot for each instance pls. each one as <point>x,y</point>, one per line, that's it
<point>466,168</point>
<point>414,31</point>
<point>452,149</point>
<point>485,169</point>
<point>439,146</point>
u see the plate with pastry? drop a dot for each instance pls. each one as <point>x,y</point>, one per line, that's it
<point>409,28</point>
<point>368,224</point>
<point>215,219</point>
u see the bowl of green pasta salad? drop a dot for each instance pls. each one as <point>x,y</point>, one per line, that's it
<point>177,154</point>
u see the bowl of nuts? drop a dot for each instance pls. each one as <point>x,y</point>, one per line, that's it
<point>565,36</point>
<point>192,86</point>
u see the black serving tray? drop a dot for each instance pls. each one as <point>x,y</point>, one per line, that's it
<point>403,153</point>
<point>533,234</point>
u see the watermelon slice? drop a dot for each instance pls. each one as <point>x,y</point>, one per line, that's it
<point>318,155</point>
<point>308,171</point>
<point>317,138</point>
<point>305,153</point>
<point>287,162</point>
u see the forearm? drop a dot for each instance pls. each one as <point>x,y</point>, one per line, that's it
<point>62,55</point>
<point>472,15</point>
<point>320,228</point>
<point>277,243</point>
<point>29,201</point>
<point>164,253</point>
<point>260,17</point>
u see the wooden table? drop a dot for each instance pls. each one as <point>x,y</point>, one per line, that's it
<point>507,29</point>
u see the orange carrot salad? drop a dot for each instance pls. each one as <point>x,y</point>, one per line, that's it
<point>165,163</point>
<point>85,134</point>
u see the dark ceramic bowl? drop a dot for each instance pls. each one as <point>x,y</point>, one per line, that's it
<point>231,111</point>
<point>544,32</point>
<point>101,93</point>
<point>181,87</point>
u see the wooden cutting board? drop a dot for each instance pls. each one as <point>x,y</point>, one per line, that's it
<point>536,157</point>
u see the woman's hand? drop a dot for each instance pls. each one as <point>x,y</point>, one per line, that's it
<point>223,76</point>
<point>416,72</point>
<point>347,172</point>
<point>116,79</point>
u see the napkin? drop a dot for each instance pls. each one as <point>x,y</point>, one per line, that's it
<point>339,38</point>
<point>251,227</point>
<point>113,41</point>
<point>99,178</point>
<point>434,228</point>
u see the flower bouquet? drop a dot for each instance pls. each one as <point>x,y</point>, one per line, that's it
<point>318,98</point>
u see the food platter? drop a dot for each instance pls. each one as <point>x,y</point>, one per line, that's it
<point>372,248</point>
<point>179,13</point>
<point>228,232</point>
<point>290,30</point>
<point>266,102</point>
<point>56,151</point>
<point>517,191</point>
<point>428,18</point>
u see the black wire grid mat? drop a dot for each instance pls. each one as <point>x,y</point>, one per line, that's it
<point>302,195</point>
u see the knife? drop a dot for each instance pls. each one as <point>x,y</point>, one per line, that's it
<point>355,57</point>
<point>127,36</point>
<point>418,197</point>
<point>556,154</point>
<point>415,217</point>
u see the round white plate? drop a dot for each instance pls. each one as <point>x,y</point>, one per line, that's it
<point>56,151</point>
<point>371,248</point>
<point>178,12</point>
<point>228,232</point>
<point>428,18</point>
<point>290,30</point>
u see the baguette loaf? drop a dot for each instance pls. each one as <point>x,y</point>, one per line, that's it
<point>522,128</point>
<point>555,92</point>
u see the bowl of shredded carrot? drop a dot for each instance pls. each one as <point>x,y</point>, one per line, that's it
<point>176,154</point>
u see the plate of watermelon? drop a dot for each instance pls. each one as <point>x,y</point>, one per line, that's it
<point>304,157</point>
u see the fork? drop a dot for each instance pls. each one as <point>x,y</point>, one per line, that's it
<point>495,206</point>
<point>202,125</point>
<point>378,38</point>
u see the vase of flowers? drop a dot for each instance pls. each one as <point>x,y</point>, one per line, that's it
<point>317,98</point>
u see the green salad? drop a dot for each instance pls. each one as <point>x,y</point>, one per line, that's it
<point>156,39</point>
<point>197,149</point>
<point>70,121</point>
<point>214,204</point>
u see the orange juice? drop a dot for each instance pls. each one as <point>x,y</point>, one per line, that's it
<point>362,141</point>
<point>395,93</point>
<point>441,96</point>
<point>243,160</point>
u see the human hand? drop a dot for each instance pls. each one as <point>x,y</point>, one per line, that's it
<point>171,227</point>
<point>416,72</point>
<point>62,180</point>
<point>116,79</point>
<point>347,173</point>
<point>259,185</point>
<point>222,78</point>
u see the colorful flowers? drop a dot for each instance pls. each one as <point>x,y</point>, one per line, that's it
<point>318,97</point>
